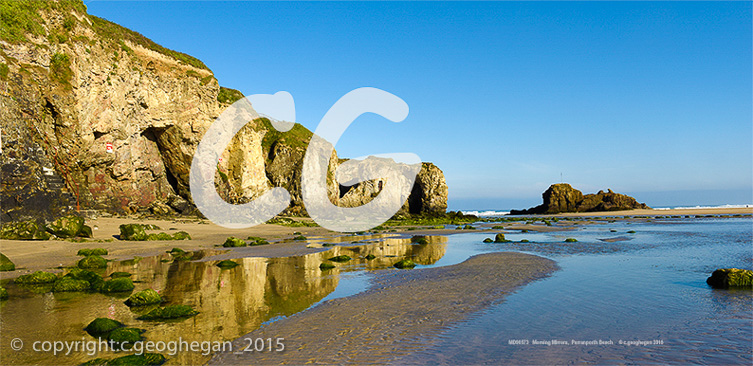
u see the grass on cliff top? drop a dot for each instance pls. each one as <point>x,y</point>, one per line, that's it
<point>21,17</point>
<point>228,96</point>
<point>111,31</point>
<point>297,137</point>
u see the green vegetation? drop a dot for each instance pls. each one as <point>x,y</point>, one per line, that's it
<point>233,242</point>
<point>24,230</point>
<point>488,240</point>
<point>144,297</point>
<point>124,338</point>
<point>159,236</point>
<point>6,264</point>
<point>731,277</point>
<point>4,70</point>
<point>500,238</point>
<point>255,240</point>
<point>133,232</point>
<point>60,68</point>
<point>120,274</point>
<point>405,263</point>
<point>370,257</point>
<point>227,264</point>
<point>94,280</point>
<point>3,293</point>
<point>631,232</point>
<point>228,96</point>
<point>120,284</point>
<point>102,326</point>
<point>325,266</point>
<point>341,258</point>
<point>145,359</point>
<point>92,261</point>
<point>68,284</point>
<point>299,237</point>
<point>525,241</point>
<point>181,235</point>
<point>89,251</point>
<point>37,278</point>
<point>571,240</point>
<point>169,312</point>
<point>109,30</point>
<point>450,218</point>
<point>284,221</point>
<point>298,137</point>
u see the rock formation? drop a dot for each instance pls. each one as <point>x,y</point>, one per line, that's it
<point>94,114</point>
<point>562,197</point>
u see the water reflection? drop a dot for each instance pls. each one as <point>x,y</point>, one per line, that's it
<point>231,302</point>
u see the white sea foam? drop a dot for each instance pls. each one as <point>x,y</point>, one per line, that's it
<point>486,213</point>
<point>702,207</point>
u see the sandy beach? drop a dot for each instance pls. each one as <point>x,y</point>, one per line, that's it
<point>395,316</point>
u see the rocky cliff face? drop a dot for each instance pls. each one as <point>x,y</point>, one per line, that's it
<point>562,197</point>
<point>112,120</point>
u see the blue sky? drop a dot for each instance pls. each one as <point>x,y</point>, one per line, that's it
<point>650,99</point>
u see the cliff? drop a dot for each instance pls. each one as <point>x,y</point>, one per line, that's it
<point>562,197</point>
<point>96,115</point>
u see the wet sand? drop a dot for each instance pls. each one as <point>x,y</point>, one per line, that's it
<point>401,313</point>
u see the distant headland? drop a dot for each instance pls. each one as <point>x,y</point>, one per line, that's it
<point>562,198</point>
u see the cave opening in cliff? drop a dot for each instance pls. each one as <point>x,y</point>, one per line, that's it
<point>153,134</point>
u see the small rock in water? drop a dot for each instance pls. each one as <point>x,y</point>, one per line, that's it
<point>731,278</point>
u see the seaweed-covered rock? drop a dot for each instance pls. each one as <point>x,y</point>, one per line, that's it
<point>6,264</point>
<point>500,238</point>
<point>144,297</point>
<point>325,266</point>
<point>571,240</point>
<point>341,258</point>
<point>37,278</point>
<point>419,239</point>
<point>125,338</point>
<point>731,277</point>
<point>169,312</point>
<point>95,281</point>
<point>86,232</point>
<point>133,232</point>
<point>120,274</point>
<point>24,230</point>
<point>102,326</point>
<point>488,240</point>
<point>405,263</point>
<point>68,284</point>
<point>181,235</point>
<point>233,242</point>
<point>226,264</point>
<point>159,236</point>
<point>176,251</point>
<point>255,240</point>
<point>3,293</point>
<point>370,256</point>
<point>120,284</point>
<point>144,359</point>
<point>92,251</point>
<point>66,226</point>
<point>92,261</point>
<point>299,237</point>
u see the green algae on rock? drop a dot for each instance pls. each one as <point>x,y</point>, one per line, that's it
<point>92,261</point>
<point>3,293</point>
<point>725,278</point>
<point>6,264</point>
<point>571,240</point>
<point>325,266</point>
<point>95,281</point>
<point>500,238</point>
<point>341,258</point>
<point>68,284</point>
<point>144,297</point>
<point>133,232</point>
<point>488,240</point>
<point>37,278</point>
<point>233,242</point>
<point>419,239</point>
<point>181,235</point>
<point>91,251</point>
<point>125,338</point>
<point>255,240</point>
<point>226,264</point>
<point>145,359</point>
<point>102,326</point>
<point>370,256</point>
<point>120,284</point>
<point>405,263</point>
<point>169,312</point>
<point>120,274</point>
<point>67,226</point>
<point>24,230</point>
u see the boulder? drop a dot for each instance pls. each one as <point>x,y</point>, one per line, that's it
<point>37,278</point>
<point>91,251</point>
<point>144,297</point>
<point>500,238</point>
<point>68,284</point>
<point>92,261</point>
<point>326,266</point>
<point>120,284</point>
<point>562,197</point>
<point>233,242</point>
<point>102,326</point>
<point>169,312</point>
<point>67,226</point>
<point>6,264</point>
<point>94,280</point>
<point>731,278</point>
<point>405,263</point>
<point>133,232</point>
<point>24,230</point>
<point>125,338</point>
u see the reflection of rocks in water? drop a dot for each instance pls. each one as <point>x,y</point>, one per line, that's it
<point>389,251</point>
<point>295,283</point>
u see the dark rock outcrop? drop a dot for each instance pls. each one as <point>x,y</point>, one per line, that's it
<point>560,198</point>
<point>731,277</point>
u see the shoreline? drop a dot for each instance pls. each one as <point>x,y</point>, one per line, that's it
<point>400,313</point>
